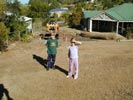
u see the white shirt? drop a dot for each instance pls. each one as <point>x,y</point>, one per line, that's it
<point>73,51</point>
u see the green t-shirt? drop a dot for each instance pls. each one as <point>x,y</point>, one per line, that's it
<point>52,44</point>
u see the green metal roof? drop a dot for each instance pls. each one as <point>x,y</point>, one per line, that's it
<point>90,14</point>
<point>122,12</point>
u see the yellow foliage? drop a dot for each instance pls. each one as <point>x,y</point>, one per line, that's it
<point>2,6</point>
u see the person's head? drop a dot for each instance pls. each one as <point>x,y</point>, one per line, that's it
<point>72,40</point>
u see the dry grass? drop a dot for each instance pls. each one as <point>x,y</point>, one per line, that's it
<point>102,35</point>
<point>106,72</point>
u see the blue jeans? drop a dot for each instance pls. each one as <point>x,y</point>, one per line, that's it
<point>51,60</point>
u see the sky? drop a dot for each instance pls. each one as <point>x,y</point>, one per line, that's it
<point>23,1</point>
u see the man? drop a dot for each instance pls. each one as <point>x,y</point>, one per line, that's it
<point>52,45</point>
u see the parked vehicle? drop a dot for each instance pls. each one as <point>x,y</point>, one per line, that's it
<point>52,26</point>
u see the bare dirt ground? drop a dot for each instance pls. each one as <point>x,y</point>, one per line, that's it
<point>105,72</point>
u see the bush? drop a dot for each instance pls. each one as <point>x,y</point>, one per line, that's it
<point>3,32</point>
<point>14,36</point>
<point>26,38</point>
<point>3,36</point>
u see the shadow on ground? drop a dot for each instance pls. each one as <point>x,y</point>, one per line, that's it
<point>4,91</point>
<point>61,69</point>
<point>43,62</point>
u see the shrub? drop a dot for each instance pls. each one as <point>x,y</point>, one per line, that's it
<point>26,38</point>
<point>3,36</point>
<point>14,36</point>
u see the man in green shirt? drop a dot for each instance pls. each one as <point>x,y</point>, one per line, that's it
<point>52,45</point>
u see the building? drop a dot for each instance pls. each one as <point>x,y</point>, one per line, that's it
<point>58,11</point>
<point>28,21</point>
<point>116,19</point>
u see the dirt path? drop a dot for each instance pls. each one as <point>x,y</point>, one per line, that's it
<point>106,72</point>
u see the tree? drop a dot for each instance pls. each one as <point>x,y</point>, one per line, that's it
<point>75,19</point>
<point>54,4</point>
<point>17,27</point>
<point>15,7</point>
<point>65,16</point>
<point>76,16</point>
<point>111,3</point>
<point>38,9</point>
<point>2,7</point>
<point>24,10</point>
<point>2,10</point>
<point>3,33</point>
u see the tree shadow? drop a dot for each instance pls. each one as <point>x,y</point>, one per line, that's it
<point>61,69</point>
<point>39,59</point>
<point>3,91</point>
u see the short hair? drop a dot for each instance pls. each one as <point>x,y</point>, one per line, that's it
<point>72,39</point>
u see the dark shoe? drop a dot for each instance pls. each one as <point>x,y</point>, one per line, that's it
<point>47,68</point>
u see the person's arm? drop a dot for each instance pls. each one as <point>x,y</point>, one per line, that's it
<point>46,43</point>
<point>68,53</point>
<point>68,58</point>
<point>78,42</point>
